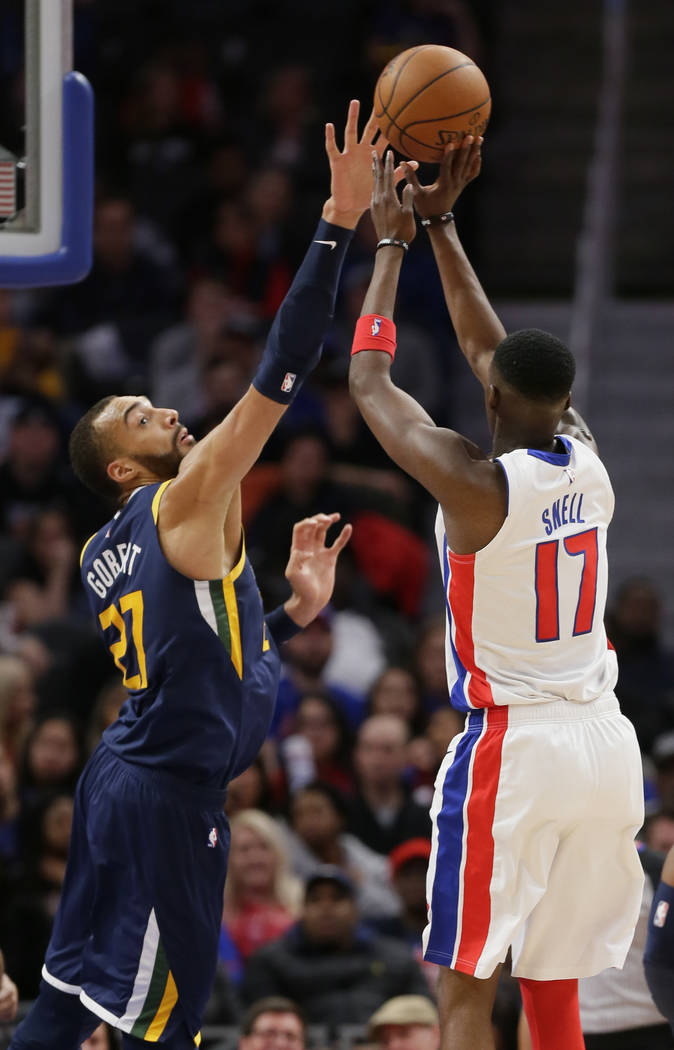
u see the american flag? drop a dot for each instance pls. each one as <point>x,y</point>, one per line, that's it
<point>7,188</point>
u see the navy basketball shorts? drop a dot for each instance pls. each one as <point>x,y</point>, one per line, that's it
<point>534,817</point>
<point>136,933</point>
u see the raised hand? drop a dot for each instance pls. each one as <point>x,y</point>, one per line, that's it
<point>311,567</point>
<point>391,217</point>
<point>351,168</point>
<point>460,165</point>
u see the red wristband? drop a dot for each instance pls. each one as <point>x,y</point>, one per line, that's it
<point>374,332</point>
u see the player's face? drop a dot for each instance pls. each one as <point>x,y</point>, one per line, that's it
<point>152,437</point>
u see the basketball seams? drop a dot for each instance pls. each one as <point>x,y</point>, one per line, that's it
<point>414,51</point>
<point>448,116</point>
<point>445,73</point>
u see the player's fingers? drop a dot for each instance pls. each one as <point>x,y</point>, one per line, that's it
<point>342,540</point>
<point>303,532</point>
<point>388,171</point>
<point>381,145</point>
<point>351,130</point>
<point>464,157</point>
<point>400,171</point>
<point>411,174</point>
<point>330,142</point>
<point>408,199</point>
<point>377,171</point>
<point>370,129</point>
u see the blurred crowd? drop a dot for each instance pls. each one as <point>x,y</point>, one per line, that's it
<point>210,178</point>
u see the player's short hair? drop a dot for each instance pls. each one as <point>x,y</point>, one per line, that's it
<point>271,1004</point>
<point>89,453</point>
<point>536,364</point>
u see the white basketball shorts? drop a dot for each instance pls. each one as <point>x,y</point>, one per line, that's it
<point>534,817</point>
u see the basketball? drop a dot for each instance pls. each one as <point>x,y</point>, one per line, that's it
<point>428,97</point>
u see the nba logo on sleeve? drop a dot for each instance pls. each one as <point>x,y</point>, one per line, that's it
<point>288,382</point>
<point>212,838</point>
<point>660,917</point>
<point>376,325</point>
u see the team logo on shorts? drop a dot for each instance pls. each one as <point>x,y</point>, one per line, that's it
<point>288,382</point>
<point>376,325</point>
<point>212,838</point>
<point>660,917</point>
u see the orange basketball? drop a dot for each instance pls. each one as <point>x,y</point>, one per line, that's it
<point>430,96</point>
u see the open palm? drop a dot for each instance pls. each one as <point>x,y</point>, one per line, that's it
<point>311,566</point>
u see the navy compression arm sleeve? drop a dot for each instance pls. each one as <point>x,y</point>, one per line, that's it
<point>294,342</point>
<point>659,953</point>
<point>281,626</point>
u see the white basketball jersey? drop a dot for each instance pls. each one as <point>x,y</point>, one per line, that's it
<point>525,615</point>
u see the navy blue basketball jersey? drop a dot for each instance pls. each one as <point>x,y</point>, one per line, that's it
<point>201,669</point>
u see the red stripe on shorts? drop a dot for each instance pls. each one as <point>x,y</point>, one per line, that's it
<point>461,596</point>
<point>476,909</point>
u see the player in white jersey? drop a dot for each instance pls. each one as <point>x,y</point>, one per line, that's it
<point>537,802</point>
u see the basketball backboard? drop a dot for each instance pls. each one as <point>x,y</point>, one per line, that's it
<point>46,162</point>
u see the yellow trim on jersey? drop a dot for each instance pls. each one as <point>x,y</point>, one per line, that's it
<point>197,1039</point>
<point>156,500</point>
<point>236,571</point>
<point>233,620</point>
<point>85,547</point>
<point>169,999</point>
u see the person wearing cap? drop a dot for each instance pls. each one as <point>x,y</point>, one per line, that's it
<point>332,967</point>
<point>406,1022</point>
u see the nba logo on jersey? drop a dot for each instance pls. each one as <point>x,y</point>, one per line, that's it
<point>212,838</point>
<point>288,382</point>
<point>376,325</point>
<point>660,917</point>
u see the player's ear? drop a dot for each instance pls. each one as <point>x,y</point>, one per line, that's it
<point>493,397</point>
<point>121,470</point>
<point>567,403</point>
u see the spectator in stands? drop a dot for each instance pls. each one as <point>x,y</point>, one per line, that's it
<point>324,725</point>
<point>250,790</point>
<point>114,313</point>
<point>9,996</point>
<point>271,1023</point>
<point>103,1038</point>
<point>9,809</point>
<point>396,692</point>
<point>408,864</point>
<point>430,665</point>
<point>180,355</point>
<point>29,905</point>
<point>262,896</point>
<point>304,486</point>
<point>406,1022</point>
<point>43,584</point>
<point>383,814</point>
<point>305,658</point>
<point>331,967</point>
<point>17,705</point>
<point>659,953</point>
<point>33,475</point>
<point>52,759</point>
<point>645,684</point>
<point>662,753</point>
<point>616,1008</point>
<point>658,830</point>
<point>317,837</point>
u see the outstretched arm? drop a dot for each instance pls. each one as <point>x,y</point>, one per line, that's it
<point>478,329</point>
<point>451,468</point>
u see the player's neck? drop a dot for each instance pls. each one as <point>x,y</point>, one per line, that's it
<point>507,439</point>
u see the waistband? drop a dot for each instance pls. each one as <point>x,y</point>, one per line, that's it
<point>182,790</point>
<point>551,711</point>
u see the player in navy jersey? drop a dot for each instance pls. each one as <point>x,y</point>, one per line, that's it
<point>537,802</point>
<point>175,599</point>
